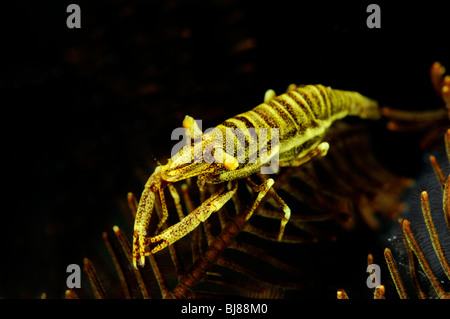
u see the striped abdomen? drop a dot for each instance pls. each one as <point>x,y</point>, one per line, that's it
<point>302,116</point>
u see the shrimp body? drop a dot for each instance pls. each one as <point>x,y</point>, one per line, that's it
<point>298,119</point>
<point>302,116</point>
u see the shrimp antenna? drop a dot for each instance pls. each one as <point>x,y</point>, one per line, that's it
<point>155,159</point>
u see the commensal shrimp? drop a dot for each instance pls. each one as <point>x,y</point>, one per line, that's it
<point>297,122</point>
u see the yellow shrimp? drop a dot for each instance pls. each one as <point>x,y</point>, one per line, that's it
<point>297,122</point>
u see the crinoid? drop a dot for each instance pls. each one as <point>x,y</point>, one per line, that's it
<point>426,240</point>
<point>431,120</point>
<point>436,272</point>
<point>418,250</point>
<point>230,256</point>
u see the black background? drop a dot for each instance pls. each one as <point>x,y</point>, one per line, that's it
<point>84,111</point>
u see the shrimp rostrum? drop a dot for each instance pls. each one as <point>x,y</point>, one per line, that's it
<point>285,130</point>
